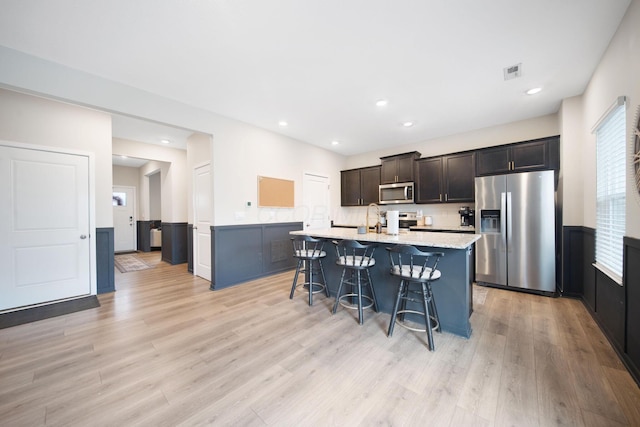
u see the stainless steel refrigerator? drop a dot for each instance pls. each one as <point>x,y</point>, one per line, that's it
<point>515,214</point>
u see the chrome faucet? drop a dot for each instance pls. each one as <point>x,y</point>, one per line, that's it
<point>377,210</point>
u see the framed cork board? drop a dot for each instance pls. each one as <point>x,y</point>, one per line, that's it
<point>275,193</point>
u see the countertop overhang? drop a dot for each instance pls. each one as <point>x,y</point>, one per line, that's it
<point>416,238</point>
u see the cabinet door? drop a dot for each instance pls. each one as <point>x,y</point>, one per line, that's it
<point>404,171</point>
<point>490,161</point>
<point>429,180</point>
<point>459,177</point>
<point>350,187</point>
<point>389,171</point>
<point>529,156</point>
<point>369,183</point>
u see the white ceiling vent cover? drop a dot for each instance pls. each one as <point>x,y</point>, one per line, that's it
<point>512,72</point>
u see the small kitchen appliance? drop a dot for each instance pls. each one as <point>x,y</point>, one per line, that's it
<point>467,216</point>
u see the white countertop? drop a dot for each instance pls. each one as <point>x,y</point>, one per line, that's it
<point>416,238</point>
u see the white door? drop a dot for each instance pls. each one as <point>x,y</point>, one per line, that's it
<point>316,201</point>
<point>124,224</point>
<point>202,222</point>
<point>44,227</point>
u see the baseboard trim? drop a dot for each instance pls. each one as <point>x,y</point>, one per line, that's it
<point>28,315</point>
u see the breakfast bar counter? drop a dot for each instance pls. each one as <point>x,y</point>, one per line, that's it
<point>452,291</point>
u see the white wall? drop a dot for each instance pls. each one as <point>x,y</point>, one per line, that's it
<point>34,120</point>
<point>198,153</point>
<point>617,74</point>
<point>125,175</point>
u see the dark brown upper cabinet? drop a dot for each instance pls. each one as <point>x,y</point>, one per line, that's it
<point>446,179</point>
<point>398,168</point>
<point>359,187</point>
<point>540,154</point>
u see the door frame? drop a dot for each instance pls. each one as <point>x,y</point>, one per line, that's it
<point>93,284</point>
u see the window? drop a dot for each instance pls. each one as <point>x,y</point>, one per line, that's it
<point>610,192</point>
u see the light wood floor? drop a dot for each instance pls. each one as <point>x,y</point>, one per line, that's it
<point>164,350</point>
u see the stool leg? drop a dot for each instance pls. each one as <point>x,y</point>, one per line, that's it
<point>324,279</point>
<point>335,304</point>
<point>427,318</point>
<point>310,277</point>
<point>434,309</point>
<point>295,279</point>
<point>394,313</point>
<point>373,293</point>
<point>360,314</point>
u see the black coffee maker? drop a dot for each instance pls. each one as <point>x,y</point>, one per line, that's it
<point>467,216</point>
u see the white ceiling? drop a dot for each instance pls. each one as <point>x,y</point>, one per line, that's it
<point>321,64</point>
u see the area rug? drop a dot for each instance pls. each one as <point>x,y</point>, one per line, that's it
<point>130,262</point>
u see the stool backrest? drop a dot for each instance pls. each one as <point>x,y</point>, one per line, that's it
<point>406,258</point>
<point>307,246</point>
<point>354,253</point>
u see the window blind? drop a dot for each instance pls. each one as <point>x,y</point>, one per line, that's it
<point>610,192</point>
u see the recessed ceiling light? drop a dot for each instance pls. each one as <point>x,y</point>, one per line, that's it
<point>334,142</point>
<point>381,102</point>
<point>533,91</point>
<point>282,123</point>
<point>165,141</point>
<point>407,124</point>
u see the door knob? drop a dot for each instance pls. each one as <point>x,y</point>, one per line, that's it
<point>83,236</point>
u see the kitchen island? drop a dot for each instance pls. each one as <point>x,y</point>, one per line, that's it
<point>452,291</point>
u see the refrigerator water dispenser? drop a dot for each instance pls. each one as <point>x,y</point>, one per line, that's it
<point>490,221</point>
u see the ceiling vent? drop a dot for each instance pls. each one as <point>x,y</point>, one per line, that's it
<point>512,72</point>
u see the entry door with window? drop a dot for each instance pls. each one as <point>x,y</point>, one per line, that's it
<point>45,250</point>
<point>124,223</point>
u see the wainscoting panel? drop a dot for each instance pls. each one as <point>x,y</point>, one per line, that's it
<point>144,236</point>
<point>104,260</point>
<point>190,248</point>
<point>245,252</point>
<point>572,261</point>
<point>610,308</point>
<point>589,272</point>
<point>632,288</point>
<point>174,242</point>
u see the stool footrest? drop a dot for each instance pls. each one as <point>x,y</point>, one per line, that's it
<point>317,286</point>
<point>434,322</point>
<point>355,306</point>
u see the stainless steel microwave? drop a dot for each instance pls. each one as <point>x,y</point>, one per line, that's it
<point>400,192</point>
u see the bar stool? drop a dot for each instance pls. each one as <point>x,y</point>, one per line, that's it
<point>309,253</point>
<point>355,259</point>
<point>416,269</point>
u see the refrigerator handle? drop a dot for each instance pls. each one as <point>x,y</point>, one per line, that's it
<point>503,218</point>
<point>509,221</point>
